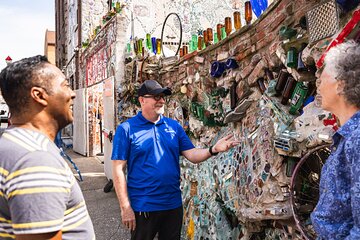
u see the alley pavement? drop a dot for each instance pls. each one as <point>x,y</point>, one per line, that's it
<point>103,207</point>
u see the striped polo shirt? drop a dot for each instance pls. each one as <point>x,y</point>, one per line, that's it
<point>38,192</point>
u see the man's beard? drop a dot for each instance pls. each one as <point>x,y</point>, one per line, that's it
<point>160,111</point>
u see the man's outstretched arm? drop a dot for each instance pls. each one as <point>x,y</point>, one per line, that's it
<point>198,155</point>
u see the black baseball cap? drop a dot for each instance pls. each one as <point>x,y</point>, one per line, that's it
<point>152,87</point>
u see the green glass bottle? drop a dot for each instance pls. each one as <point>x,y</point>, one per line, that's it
<point>216,40</point>
<point>286,32</point>
<point>140,46</point>
<point>291,60</point>
<point>194,43</point>
<point>298,98</point>
<point>117,7</point>
<point>223,33</point>
<point>148,42</point>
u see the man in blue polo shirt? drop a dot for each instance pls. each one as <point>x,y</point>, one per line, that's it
<point>148,147</point>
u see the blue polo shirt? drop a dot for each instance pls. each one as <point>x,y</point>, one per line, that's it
<point>152,153</point>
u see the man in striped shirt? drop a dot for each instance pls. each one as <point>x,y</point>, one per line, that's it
<point>39,196</point>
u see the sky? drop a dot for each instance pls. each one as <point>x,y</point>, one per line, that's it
<point>23,25</point>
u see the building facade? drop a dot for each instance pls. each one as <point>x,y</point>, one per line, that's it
<point>49,46</point>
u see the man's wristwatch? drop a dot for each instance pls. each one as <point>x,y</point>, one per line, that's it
<point>211,151</point>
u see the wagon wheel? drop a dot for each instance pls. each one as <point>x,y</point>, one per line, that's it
<point>171,34</point>
<point>304,188</point>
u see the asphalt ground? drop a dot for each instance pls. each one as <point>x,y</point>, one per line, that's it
<point>103,207</point>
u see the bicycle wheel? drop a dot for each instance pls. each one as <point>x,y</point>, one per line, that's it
<point>304,188</point>
<point>171,35</point>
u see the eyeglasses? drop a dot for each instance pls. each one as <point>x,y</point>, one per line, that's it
<point>155,97</point>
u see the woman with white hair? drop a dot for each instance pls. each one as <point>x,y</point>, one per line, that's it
<point>337,214</point>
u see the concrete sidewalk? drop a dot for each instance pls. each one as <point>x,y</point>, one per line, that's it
<point>103,207</point>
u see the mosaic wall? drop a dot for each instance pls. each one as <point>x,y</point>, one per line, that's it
<point>243,193</point>
<point>148,16</point>
<point>92,13</point>
<point>195,15</point>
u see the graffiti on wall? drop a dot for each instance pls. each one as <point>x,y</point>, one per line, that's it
<point>100,55</point>
<point>96,66</point>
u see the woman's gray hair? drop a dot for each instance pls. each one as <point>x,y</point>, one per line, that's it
<point>344,61</point>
